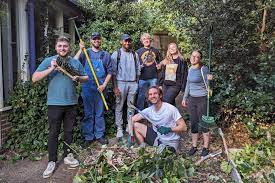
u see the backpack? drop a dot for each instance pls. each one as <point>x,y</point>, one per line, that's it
<point>119,55</point>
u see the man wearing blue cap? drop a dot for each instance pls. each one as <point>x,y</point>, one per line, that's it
<point>126,72</point>
<point>93,124</point>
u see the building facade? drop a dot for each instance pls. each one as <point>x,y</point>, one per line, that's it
<point>24,27</point>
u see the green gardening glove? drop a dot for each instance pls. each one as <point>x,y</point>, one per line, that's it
<point>164,130</point>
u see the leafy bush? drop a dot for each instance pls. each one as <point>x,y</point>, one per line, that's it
<point>243,54</point>
<point>145,167</point>
<point>255,162</point>
<point>114,18</point>
<point>29,119</point>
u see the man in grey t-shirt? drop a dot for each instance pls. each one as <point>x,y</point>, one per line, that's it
<point>126,72</point>
<point>166,122</point>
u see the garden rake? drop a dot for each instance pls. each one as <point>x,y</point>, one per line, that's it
<point>207,121</point>
<point>140,112</point>
<point>89,63</point>
<point>66,68</point>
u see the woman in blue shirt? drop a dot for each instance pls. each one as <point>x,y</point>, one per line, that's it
<point>196,93</point>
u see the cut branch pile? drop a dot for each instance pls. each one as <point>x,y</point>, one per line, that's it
<point>122,164</point>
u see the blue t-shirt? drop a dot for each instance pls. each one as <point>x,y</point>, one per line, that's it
<point>195,86</point>
<point>61,89</point>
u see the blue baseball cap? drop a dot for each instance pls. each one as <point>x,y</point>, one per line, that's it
<point>125,37</point>
<point>95,35</point>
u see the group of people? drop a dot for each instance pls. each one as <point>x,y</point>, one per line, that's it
<point>140,78</point>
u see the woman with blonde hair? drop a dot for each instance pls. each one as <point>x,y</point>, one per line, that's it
<point>174,74</point>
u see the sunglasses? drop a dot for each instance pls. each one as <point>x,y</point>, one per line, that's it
<point>63,38</point>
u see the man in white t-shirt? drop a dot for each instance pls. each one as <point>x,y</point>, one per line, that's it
<point>166,122</point>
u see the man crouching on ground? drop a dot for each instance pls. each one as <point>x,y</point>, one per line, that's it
<point>166,121</point>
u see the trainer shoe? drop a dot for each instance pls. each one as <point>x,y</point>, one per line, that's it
<point>204,152</point>
<point>49,170</point>
<point>102,140</point>
<point>71,161</point>
<point>119,133</point>
<point>127,128</point>
<point>86,143</point>
<point>142,145</point>
<point>192,151</point>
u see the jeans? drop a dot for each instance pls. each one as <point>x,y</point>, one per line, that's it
<point>57,114</point>
<point>170,93</point>
<point>143,86</point>
<point>93,124</point>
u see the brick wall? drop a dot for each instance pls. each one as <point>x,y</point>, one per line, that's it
<point>5,126</point>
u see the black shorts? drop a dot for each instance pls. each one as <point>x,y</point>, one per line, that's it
<point>151,135</point>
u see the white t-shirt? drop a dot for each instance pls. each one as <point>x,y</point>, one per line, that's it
<point>166,116</point>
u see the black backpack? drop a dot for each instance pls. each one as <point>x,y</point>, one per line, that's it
<point>119,55</point>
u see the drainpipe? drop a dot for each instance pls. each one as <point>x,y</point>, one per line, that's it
<point>31,34</point>
<point>1,77</point>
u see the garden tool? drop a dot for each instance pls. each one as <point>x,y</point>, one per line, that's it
<point>131,137</point>
<point>208,121</point>
<point>234,172</point>
<point>211,155</point>
<point>89,63</point>
<point>66,66</point>
<point>140,112</point>
<point>60,68</point>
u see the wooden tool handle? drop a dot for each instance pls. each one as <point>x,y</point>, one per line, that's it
<point>65,72</point>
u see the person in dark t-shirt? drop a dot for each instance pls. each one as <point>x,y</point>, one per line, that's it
<point>173,75</point>
<point>149,58</point>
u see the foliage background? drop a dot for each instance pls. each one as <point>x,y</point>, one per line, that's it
<point>243,58</point>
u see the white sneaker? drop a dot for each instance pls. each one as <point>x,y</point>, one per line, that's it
<point>49,170</point>
<point>71,161</point>
<point>119,133</point>
<point>142,145</point>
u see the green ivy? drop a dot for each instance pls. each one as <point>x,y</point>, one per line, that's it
<point>256,159</point>
<point>242,58</point>
<point>148,167</point>
<point>28,117</point>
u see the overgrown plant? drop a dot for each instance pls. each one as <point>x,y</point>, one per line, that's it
<point>243,54</point>
<point>255,162</point>
<point>113,18</point>
<point>147,167</point>
<point>28,117</point>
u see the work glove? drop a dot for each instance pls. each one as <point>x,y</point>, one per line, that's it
<point>164,130</point>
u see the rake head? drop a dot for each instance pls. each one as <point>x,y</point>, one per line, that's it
<point>208,122</point>
<point>64,63</point>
